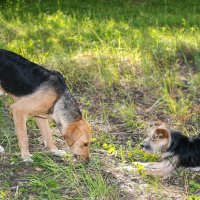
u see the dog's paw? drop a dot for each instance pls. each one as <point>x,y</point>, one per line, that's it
<point>45,144</point>
<point>127,168</point>
<point>195,169</point>
<point>29,159</point>
<point>58,153</point>
<point>1,149</point>
<point>136,164</point>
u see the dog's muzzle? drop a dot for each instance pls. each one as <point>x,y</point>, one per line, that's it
<point>145,146</point>
<point>82,158</point>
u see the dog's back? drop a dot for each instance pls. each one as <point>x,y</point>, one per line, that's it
<point>188,150</point>
<point>194,157</point>
<point>19,76</point>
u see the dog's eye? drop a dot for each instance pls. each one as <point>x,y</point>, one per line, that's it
<point>86,144</point>
<point>153,138</point>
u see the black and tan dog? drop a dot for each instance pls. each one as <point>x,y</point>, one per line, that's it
<point>176,150</point>
<point>43,94</point>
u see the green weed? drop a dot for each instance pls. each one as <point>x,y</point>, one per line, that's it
<point>129,115</point>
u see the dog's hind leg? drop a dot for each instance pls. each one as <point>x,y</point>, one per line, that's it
<point>20,117</point>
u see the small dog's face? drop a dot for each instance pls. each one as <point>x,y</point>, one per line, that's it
<point>77,136</point>
<point>159,139</point>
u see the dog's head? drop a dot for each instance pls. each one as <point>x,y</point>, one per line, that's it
<point>158,140</point>
<point>77,135</point>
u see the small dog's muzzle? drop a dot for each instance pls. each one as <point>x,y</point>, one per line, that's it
<point>145,146</point>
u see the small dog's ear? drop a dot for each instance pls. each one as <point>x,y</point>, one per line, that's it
<point>162,133</point>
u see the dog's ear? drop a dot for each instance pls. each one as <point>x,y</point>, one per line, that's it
<point>71,133</point>
<point>162,132</point>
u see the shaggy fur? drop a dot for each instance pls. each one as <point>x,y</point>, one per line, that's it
<point>176,150</point>
<point>187,150</point>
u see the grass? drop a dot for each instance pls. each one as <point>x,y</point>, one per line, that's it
<point>47,179</point>
<point>128,63</point>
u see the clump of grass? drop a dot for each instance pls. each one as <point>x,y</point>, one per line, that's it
<point>126,153</point>
<point>194,186</point>
<point>72,180</point>
<point>178,106</point>
<point>128,114</point>
<point>44,185</point>
<point>140,155</point>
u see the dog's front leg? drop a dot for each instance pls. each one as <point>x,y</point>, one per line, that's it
<point>163,169</point>
<point>20,117</point>
<point>45,131</point>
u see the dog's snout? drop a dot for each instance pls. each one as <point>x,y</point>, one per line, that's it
<point>82,158</point>
<point>144,145</point>
<point>75,156</point>
<point>87,160</point>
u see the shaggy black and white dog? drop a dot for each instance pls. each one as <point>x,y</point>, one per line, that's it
<point>176,150</point>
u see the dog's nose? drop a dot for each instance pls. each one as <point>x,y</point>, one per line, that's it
<point>75,156</point>
<point>87,160</point>
<point>143,145</point>
<point>82,158</point>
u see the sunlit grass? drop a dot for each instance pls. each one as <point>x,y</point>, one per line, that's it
<point>128,114</point>
<point>85,180</point>
<point>109,49</point>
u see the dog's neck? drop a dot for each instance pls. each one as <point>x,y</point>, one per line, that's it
<point>187,151</point>
<point>66,110</point>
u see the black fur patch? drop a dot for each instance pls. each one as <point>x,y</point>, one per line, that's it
<point>19,76</point>
<point>187,150</point>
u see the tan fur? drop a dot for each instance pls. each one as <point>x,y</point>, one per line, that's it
<point>77,136</point>
<point>164,168</point>
<point>158,140</point>
<point>37,103</point>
